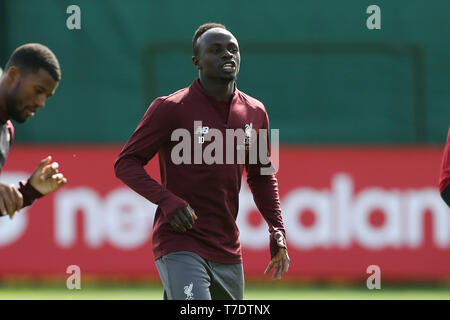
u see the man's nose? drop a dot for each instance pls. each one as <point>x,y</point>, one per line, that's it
<point>40,101</point>
<point>227,54</point>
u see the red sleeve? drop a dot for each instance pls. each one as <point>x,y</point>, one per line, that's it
<point>10,127</point>
<point>29,193</point>
<point>152,132</point>
<point>444,179</point>
<point>265,194</point>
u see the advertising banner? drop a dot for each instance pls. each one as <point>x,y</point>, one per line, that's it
<point>344,209</point>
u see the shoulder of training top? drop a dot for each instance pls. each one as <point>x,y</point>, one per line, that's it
<point>252,102</point>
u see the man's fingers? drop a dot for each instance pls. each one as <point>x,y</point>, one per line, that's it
<point>9,200</point>
<point>59,179</point>
<point>184,218</point>
<point>174,225</point>
<point>44,162</point>
<point>283,267</point>
<point>287,263</point>
<point>189,212</point>
<point>284,264</point>
<point>280,263</point>
<point>278,271</point>
<point>269,267</point>
<point>3,211</point>
<point>192,212</point>
<point>177,223</point>
<point>57,176</point>
<point>187,216</point>
<point>49,171</point>
<point>19,199</point>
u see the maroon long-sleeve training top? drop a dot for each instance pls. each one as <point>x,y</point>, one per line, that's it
<point>212,190</point>
<point>29,193</point>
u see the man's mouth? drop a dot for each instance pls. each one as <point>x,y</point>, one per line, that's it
<point>229,67</point>
<point>29,113</point>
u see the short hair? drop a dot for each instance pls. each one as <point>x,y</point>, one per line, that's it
<point>33,56</point>
<point>201,30</point>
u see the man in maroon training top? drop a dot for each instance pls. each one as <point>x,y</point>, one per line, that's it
<point>31,76</point>
<point>444,180</point>
<point>195,237</point>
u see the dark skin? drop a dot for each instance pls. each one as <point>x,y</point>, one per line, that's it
<point>216,48</point>
<point>218,60</point>
<point>22,94</point>
<point>184,219</point>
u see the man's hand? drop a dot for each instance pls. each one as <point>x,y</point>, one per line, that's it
<point>46,178</point>
<point>280,260</point>
<point>11,200</point>
<point>281,263</point>
<point>183,219</point>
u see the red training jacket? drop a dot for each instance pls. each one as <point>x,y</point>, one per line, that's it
<point>212,190</point>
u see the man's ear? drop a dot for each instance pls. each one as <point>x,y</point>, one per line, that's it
<point>196,62</point>
<point>13,75</point>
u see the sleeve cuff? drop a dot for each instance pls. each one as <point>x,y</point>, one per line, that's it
<point>29,193</point>
<point>172,206</point>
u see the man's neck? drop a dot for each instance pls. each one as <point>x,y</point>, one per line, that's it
<point>221,90</point>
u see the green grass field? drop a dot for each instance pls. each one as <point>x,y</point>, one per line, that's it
<point>252,292</point>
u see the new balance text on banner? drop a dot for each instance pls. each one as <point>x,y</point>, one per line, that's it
<point>344,209</point>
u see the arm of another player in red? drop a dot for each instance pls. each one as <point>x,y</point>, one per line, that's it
<point>444,180</point>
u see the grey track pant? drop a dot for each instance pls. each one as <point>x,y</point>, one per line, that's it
<point>187,276</point>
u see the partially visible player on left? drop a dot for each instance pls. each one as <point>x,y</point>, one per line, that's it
<point>31,76</point>
<point>444,179</point>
